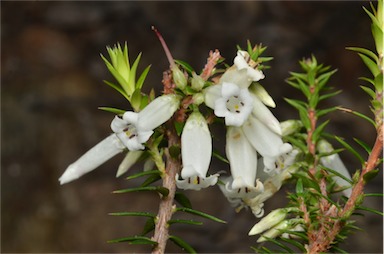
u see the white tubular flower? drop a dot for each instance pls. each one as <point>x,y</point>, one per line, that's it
<point>134,129</point>
<point>196,151</point>
<point>266,142</point>
<point>334,162</point>
<point>129,160</point>
<point>243,61</point>
<point>262,94</point>
<point>261,112</point>
<point>127,130</point>
<point>158,111</point>
<point>235,104</point>
<point>243,162</point>
<point>92,159</point>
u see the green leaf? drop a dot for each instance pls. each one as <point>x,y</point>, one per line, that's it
<point>299,186</point>
<point>323,79</point>
<point>142,77</point>
<point>113,110</point>
<point>334,172</point>
<point>359,115</point>
<point>318,131</point>
<point>365,52</point>
<point>190,222</point>
<point>364,145</point>
<point>149,226</point>
<point>144,173</point>
<point>328,95</point>
<point>163,191</point>
<point>132,75</point>
<point>182,244</point>
<point>370,175</point>
<point>322,112</point>
<point>179,126</point>
<point>220,157</point>
<point>151,179</point>
<point>349,148</point>
<point>294,243</point>
<point>373,195</point>
<point>281,245</point>
<point>119,89</point>
<point>183,200</point>
<point>369,210</point>
<point>198,213</point>
<point>134,240</point>
<point>372,66</point>
<point>140,214</point>
<point>136,100</point>
<point>185,66</point>
<point>369,80</point>
<point>369,91</point>
<point>379,82</point>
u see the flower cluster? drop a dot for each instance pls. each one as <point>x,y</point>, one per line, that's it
<point>259,159</point>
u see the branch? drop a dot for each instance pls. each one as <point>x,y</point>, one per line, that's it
<point>166,207</point>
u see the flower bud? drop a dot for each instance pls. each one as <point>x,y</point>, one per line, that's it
<point>272,219</point>
<point>179,78</point>
<point>290,126</point>
<point>198,98</point>
<point>197,82</point>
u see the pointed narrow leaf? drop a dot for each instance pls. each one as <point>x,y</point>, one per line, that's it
<point>364,145</point>
<point>142,77</point>
<point>364,208</point>
<point>141,214</point>
<point>113,110</point>
<point>359,115</point>
<point>319,130</point>
<point>365,52</point>
<point>118,88</point>
<point>183,200</point>
<point>370,175</point>
<point>322,112</point>
<point>349,148</point>
<point>336,173</point>
<point>163,191</point>
<point>190,222</point>
<point>201,214</point>
<point>185,66</point>
<point>328,95</point>
<point>220,157</point>
<point>151,179</point>
<point>134,240</point>
<point>369,91</point>
<point>294,243</point>
<point>144,173</point>
<point>149,226</point>
<point>182,244</point>
<point>132,76</point>
<point>372,66</point>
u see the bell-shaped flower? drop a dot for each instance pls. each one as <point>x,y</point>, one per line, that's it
<point>100,153</point>
<point>243,163</point>
<point>266,142</point>
<point>334,162</point>
<point>131,131</point>
<point>244,61</point>
<point>235,104</point>
<point>127,130</point>
<point>158,111</point>
<point>196,151</point>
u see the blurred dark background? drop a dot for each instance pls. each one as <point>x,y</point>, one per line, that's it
<point>52,85</point>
